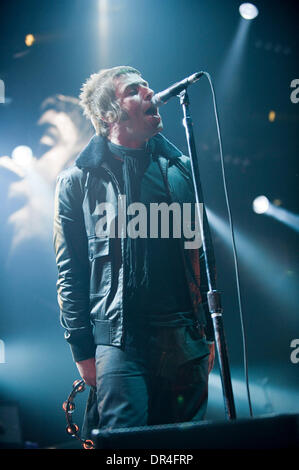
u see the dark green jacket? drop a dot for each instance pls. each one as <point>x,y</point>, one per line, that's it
<point>90,277</point>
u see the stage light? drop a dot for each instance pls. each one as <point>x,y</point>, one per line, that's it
<point>104,30</point>
<point>22,155</point>
<point>248,11</point>
<point>272,116</point>
<point>29,40</point>
<point>2,352</point>
<point>233,61</point>
<point>260,204</point>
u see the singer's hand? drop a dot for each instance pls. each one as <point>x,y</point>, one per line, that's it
<point>87,370</point>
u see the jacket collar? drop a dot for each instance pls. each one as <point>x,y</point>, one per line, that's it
<point>96,151</point>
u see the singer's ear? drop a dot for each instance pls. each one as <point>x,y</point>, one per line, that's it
<point>112,117</point>
<point>109,117</point>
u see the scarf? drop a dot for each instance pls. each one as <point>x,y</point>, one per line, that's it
<point>134,164</point>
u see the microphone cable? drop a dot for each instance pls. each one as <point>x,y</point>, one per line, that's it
<point>235,256</point>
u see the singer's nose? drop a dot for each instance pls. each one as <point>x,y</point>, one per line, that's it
<point>148,94</point>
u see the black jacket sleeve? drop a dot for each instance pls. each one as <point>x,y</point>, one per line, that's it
<point>70,243</point>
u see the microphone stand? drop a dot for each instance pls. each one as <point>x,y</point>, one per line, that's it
<point>213,296</point>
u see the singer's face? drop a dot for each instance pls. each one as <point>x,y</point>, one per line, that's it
<point>140,118</point>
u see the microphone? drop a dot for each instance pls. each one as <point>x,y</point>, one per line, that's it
<point>163,96</point>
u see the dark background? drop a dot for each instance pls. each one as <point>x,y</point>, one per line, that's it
<point>167,40</point>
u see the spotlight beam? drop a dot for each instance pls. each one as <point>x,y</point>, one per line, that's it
<point>284,216</point>
<point>260,263</point>
<point>262,205</point>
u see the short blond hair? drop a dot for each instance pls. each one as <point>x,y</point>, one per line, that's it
<point>97,97</point>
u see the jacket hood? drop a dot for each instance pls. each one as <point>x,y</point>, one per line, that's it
<point>97,149</point>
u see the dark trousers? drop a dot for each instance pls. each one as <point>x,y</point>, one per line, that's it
<point>159,377</point>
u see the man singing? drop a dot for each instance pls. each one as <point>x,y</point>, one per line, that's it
<point>134,309</point>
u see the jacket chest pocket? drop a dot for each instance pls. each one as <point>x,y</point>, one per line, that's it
<point>100,266</point>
